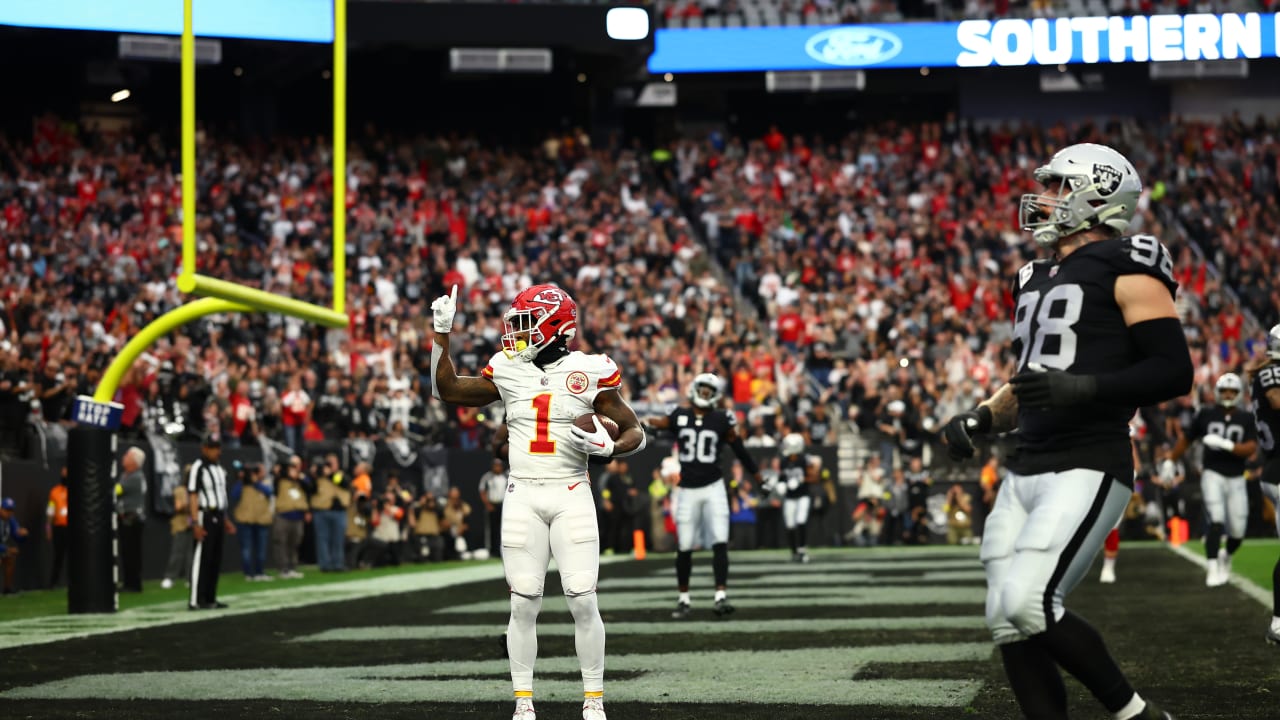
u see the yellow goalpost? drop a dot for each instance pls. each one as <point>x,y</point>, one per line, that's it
<point>91,445</point>
<point>219,296</point>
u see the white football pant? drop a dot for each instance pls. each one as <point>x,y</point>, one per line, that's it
<point>702,513</point>
<point>1273,494</point>
<point>795,511</point>
<point>1226,501</point>
<point>1039,541</point>
<point>541,520</point>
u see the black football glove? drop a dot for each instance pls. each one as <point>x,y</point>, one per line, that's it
<point>1051,388</point>
<point>959,431</point>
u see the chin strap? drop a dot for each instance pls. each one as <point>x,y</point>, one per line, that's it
<point>551,353</point>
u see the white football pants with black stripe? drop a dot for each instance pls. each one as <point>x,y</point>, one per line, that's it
<point>1226,501</point>
<point>795,512</point>
<point>1039,541</point>
<point>702,513</point>
<point>1272,493</point>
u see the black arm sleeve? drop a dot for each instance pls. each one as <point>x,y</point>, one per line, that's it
<point>748,462</point>
<point>1162,374</point>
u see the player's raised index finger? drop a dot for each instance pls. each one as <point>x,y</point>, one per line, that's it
<point>453,294</point>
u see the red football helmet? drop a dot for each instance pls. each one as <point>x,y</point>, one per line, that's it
<point>538,317</point>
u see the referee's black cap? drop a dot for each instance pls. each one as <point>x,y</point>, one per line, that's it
<point>211,440</point>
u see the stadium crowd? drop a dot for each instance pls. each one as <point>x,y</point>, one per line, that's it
<point>863,277</point>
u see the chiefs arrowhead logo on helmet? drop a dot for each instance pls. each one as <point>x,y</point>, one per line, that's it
<point>539,317</point>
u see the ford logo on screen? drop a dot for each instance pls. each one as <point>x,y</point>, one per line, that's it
<point>853,46</point>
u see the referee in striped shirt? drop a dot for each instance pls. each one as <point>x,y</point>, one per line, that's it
<point>207,489</point>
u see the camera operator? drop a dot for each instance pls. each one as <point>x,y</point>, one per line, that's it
<point>428,543</point>
<point>329,512</point>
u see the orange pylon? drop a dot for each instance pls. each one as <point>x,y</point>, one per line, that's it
<point>637,539</point>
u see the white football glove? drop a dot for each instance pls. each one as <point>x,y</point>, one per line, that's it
<point>443,309</point>
<point>592,443</point>
<point>1218,442</point>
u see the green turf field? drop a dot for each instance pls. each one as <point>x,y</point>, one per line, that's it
<point>883,634</point>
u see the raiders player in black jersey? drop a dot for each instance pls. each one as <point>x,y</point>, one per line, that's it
<point>1264,377</point>
<point>1229,437</point>
<point>702,500</point>
<point>1097,337</point>
<point>797,474</point>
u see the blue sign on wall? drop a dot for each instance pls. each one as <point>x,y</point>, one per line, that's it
<point>972,43</point>
<point>295,20</point>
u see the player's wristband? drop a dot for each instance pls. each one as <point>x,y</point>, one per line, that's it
<point>985,419</point>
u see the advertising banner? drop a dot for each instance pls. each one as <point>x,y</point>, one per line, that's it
<point>1009,42</point>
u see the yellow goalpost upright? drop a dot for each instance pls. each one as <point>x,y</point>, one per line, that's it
<point>91,445</point>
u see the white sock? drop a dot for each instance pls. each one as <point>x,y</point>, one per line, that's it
<point>1275,623</point>
<point>588,639</point>
<point>1135,706</point>
<point>522,639</point>
<point>1109,563</point>
<point>684,598</point>
<point>721,595</point>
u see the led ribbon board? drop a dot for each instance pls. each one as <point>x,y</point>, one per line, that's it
<point>972,43</point>
<point>290,20</point>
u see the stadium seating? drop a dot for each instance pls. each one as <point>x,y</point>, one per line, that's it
<point>869,269</point>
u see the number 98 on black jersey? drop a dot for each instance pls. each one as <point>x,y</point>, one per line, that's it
<point>1066,317</point>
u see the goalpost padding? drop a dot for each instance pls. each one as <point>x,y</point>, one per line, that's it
<point>91,520</point>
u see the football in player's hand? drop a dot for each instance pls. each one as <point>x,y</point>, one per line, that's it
<point>584,422</point>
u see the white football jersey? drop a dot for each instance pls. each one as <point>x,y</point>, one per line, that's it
<point>542,404</point>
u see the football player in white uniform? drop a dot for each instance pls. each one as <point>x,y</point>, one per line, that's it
<point>549,510</point>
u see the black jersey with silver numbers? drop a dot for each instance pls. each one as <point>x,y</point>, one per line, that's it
<point>1067,318</point>
<point>699,438</point>
<point>1234,425</point>
<point>1267,418</point>
<point>791,472</point>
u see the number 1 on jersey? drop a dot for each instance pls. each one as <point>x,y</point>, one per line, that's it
<point>542,444</point>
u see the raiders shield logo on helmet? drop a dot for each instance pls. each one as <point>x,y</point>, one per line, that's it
<point>1107,178</point>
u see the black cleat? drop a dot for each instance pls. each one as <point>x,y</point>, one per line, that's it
<point>723,608</point>
<point>682,611</point>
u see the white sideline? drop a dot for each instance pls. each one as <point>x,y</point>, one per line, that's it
<point>1247,586</point>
